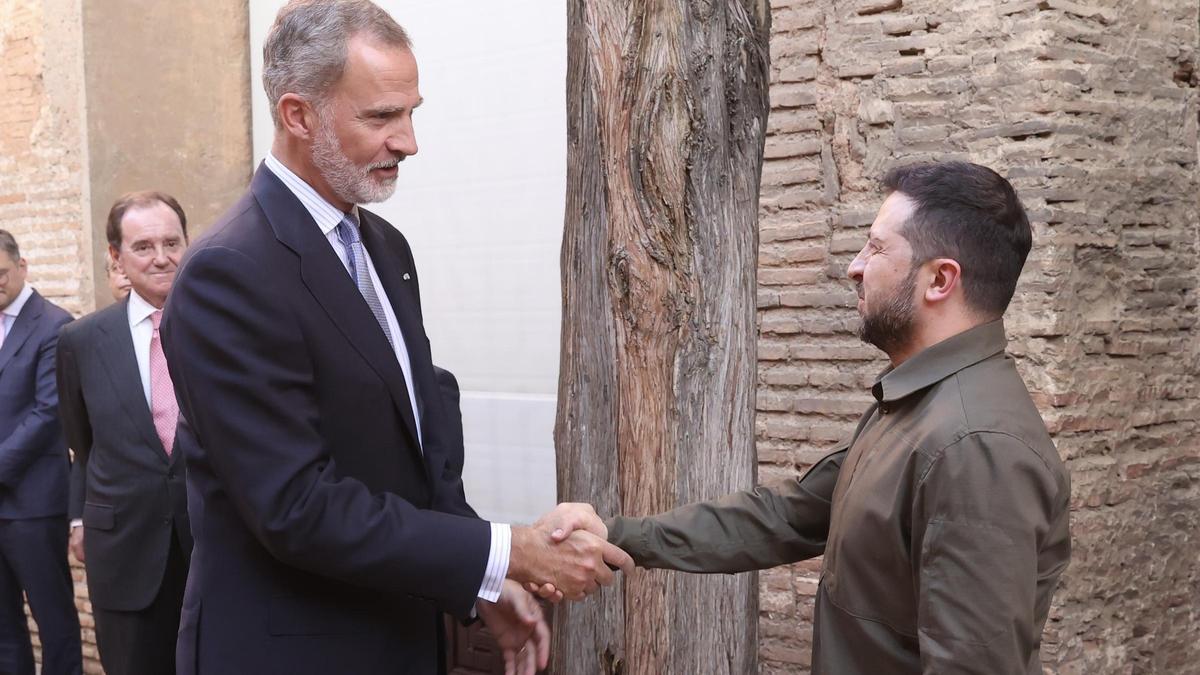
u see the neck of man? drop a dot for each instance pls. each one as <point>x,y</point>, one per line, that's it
<point>931,327</point>
<point>151,299</point>
<point>12,298</point>
<point>296,156</point>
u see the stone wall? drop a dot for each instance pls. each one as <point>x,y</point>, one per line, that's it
<point>1090,109</point>
<point>43,146</point>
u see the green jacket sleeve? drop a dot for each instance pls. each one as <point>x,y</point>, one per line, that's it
<point>752,530</point>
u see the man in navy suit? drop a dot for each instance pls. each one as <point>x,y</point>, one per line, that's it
<point>128,501</point>
<point>331,527</point>
<point>33,480</point>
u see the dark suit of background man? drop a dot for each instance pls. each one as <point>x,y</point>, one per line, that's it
<point>33,480</point>
<point>127,481</point>
<point>325,494</point>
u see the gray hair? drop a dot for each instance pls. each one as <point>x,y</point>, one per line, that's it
<point>305,50</point>
<point>8,244</point>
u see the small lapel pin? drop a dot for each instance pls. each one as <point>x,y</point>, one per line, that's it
<point>406,277</point>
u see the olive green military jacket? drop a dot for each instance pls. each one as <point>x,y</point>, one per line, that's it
<point>943,522</point>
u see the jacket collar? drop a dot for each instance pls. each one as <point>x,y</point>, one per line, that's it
<point>115,345</point>
<point>940,361</point>
<point>22,327</point>
<point>14,308</point>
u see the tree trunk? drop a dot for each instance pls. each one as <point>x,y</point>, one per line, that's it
<point>667,108</point>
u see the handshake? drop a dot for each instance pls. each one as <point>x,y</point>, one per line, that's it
<point>565,554</point>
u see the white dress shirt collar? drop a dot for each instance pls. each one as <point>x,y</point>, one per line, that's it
<point>14,308</point>
<point>326,215</point>
<point>139,308</point>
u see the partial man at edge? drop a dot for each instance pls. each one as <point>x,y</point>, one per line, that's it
<point>33,480</point>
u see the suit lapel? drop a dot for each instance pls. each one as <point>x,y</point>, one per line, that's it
<point>114,345</point>
<point>22,328</point>
<point>399,282</point>
<point>326,278</point>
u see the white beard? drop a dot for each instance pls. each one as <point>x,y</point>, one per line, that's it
<point>348,181</point>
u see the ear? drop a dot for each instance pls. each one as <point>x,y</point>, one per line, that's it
<point>946,279</point>
<point>297,116</point>
<point>115,256</point>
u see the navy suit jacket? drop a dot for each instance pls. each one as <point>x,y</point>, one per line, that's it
<point>326,541</point>
<point>33,452</point>
<point>128,492</point>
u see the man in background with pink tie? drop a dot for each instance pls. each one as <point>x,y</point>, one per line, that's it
<point>127,498</point>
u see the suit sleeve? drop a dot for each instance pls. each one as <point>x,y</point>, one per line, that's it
<point>982,513</point>
<point>244,380</point>
<point>34,433</point>
<point>72,411</point>
<point>752,530</point>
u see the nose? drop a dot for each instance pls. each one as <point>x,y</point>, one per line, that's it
<point>404,141</point>
<point>855,271</point>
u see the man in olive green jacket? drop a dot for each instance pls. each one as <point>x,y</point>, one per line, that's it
<point>944,518</point>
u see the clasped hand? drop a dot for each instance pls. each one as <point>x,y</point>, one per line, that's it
<point>565,554</point>
<point>567,551</point>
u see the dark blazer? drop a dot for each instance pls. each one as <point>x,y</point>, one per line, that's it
<point>326,541</point>
<point>33,452</point>
<point>123,485</point>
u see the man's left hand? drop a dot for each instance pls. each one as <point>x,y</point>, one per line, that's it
<point>520,628</point>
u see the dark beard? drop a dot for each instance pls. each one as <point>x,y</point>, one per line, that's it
<point>890,327</point>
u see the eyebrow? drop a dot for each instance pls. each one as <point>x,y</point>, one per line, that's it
<point>388,110</point>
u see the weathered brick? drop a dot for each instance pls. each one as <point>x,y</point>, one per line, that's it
<point>1104,324</point>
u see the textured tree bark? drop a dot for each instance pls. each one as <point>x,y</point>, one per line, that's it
<point>667,107</point>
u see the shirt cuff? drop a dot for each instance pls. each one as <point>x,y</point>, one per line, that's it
<point>497,565</point>
<point>76,522</point>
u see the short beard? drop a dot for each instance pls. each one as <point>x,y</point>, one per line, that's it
<point>890,326</point>
<point>350,182</point>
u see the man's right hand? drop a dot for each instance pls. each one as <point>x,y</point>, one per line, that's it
<point>76,542</point>
<point>577,564</point>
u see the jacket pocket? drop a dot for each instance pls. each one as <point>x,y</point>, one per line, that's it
<point>98,516</point>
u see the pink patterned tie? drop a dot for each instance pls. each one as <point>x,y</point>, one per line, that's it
<point>163,407</point>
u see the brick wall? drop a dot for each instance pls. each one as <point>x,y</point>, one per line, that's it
<point>1090,109</point>
<point>41,147</point>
